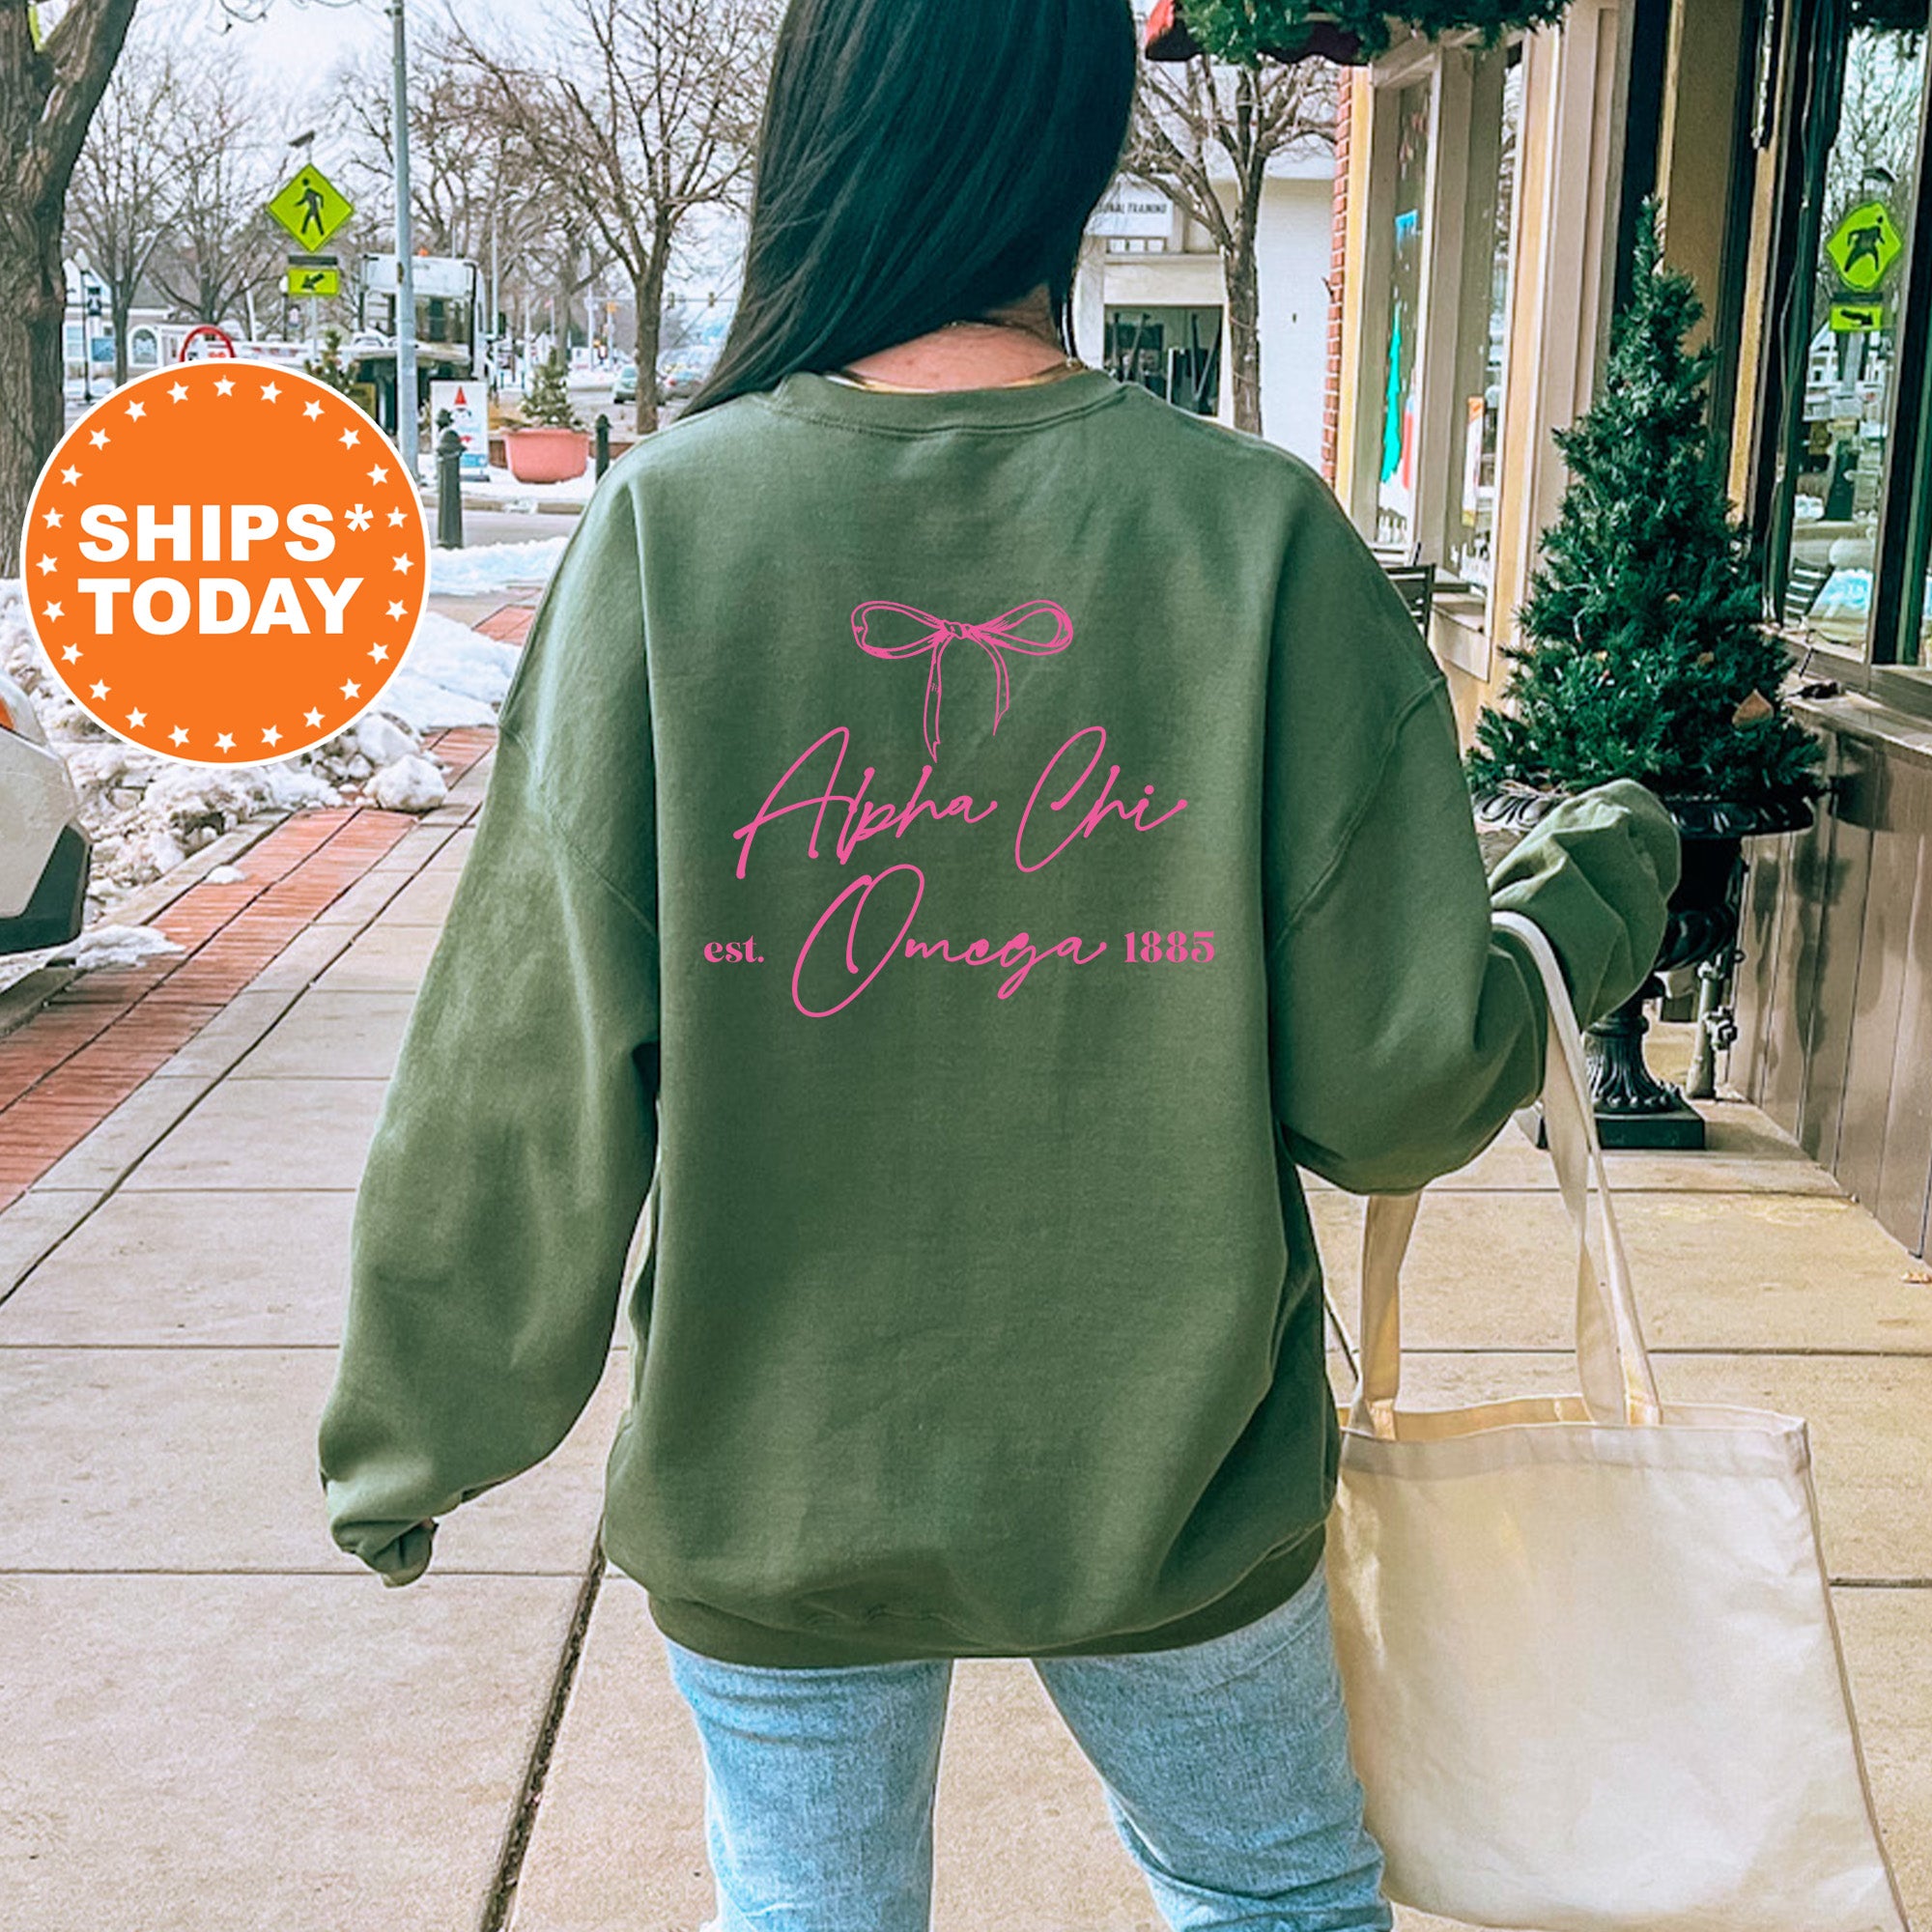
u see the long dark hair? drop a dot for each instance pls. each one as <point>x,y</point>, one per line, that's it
<point>918,161</point>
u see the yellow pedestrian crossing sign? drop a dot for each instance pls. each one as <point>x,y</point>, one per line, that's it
<point>311,206</point>
<point>305,280</point>
<point>1865,246</point>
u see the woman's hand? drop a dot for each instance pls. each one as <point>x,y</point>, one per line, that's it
<point>405,1559</point>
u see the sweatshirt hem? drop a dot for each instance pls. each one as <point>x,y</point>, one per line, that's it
<point>733,1639</point>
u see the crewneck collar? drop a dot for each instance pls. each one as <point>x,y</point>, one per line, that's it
<point>900,412</point>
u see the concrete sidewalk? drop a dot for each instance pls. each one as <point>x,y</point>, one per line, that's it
<point>212,1720</point>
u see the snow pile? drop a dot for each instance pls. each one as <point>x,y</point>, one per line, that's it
<point>112,946</point>
<point>487,567</point>
<point>1846,593</point>
<point>409,784</point>
<point>450,676</point>
<point>505,490</point>
<point>146,814</point>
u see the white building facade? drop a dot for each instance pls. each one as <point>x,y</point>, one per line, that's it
<point>1151,305</point>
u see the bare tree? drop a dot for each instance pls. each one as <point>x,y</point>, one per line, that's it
<point>49,87</point>
<point>474,191</point>
<point>462,166</point>
<point>125,182</point>
<point>635,112</point>
<point>226,157</point>
<point>1195,120</point>
<point>573,265</point>
<point>1877,120</point>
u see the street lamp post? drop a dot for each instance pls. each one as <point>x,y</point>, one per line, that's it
<point>91,314</point>
<point>406,274</point>
<point>496,304</point>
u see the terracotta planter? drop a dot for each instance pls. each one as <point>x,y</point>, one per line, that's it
<point>547,455</point>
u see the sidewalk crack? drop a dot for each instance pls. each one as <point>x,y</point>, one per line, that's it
<point>501,1899</point>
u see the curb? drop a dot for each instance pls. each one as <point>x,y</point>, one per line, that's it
<point>21,1001</point>
<point>90,1040</point>
<point>27,995</point>
<point>523,506</point>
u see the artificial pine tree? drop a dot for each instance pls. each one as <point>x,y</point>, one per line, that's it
<point>548,401</point>
<point>1644,655</point>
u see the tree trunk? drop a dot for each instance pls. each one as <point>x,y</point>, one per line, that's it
<point>649,296</point>
<point>1245,361</point>
<point>48,92</point>
<point>33,363</point>
<point>119,303</point>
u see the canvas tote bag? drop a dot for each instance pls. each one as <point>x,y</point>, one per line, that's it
<point>1593,1678</point>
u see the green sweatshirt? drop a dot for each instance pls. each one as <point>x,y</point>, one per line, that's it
<point>970,849</point>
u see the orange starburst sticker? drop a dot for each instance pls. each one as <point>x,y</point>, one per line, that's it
<point>225,562</point>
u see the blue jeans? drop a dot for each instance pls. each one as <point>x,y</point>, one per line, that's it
<point>1224,1766</point>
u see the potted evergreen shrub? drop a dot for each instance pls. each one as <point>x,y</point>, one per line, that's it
<point>552,447</point>
<point>327,366</point>
<point>1644,654</point>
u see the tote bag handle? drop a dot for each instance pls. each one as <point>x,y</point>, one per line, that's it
<point>1612,1363</point>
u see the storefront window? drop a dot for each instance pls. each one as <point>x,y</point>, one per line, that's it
<point>1176,352</point>
<point>1495,116</point>
<point>1395,493</point>
<point>1916,624</point>
<point>1850,400</point>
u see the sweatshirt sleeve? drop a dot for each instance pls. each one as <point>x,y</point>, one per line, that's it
<point>1404,1027</point>
<point>517,1136</point>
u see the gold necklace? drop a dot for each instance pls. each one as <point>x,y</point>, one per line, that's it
<point>851,379</point>
<point>1053,373</point>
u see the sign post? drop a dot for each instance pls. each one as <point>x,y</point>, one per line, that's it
<point>406,292</point>
<point>1864,248</point>
<point>311,207</point>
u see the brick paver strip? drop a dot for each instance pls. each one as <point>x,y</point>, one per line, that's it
<point>68,1067</point>
<point>511,625</point>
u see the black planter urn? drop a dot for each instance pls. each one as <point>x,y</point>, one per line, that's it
<point>1634,1108</point>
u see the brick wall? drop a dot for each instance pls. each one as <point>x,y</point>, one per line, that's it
<point>1338,255</point>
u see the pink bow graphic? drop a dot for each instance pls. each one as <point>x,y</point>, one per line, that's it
<point>995,636</point>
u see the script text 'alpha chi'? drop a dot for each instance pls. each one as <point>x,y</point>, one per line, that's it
<point>858,819</point>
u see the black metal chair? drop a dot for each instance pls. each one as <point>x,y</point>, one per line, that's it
<point>1416,581</point>
<point>1800,590</point>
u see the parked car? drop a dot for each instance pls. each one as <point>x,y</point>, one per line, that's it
<point>45,854</point>
<point>625,389</point>
<point>679,384</point>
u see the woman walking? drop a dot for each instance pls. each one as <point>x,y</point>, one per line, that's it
<point>969,833</point>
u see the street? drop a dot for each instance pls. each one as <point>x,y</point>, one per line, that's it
<point>505,527</point>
